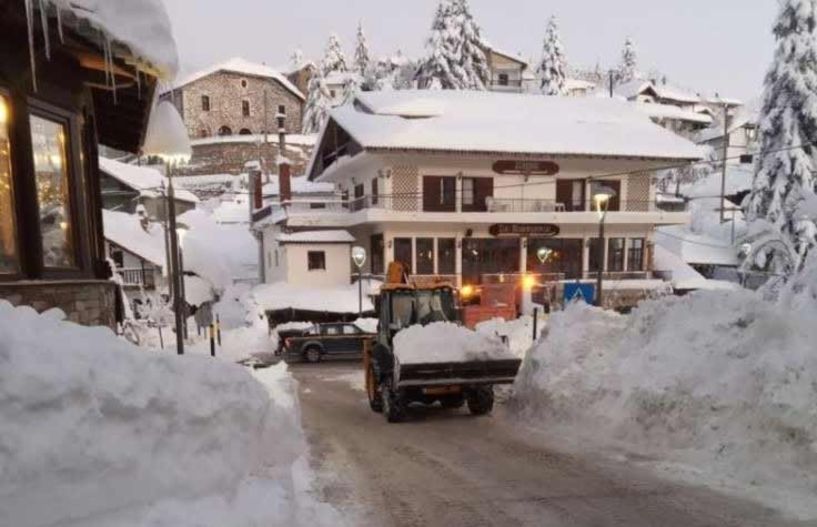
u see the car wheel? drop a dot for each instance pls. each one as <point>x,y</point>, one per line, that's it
<point>312,354</point>
<point>481,400</point>
<point>452,401</point>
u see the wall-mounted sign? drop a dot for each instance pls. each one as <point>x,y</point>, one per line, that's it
<point>527,168</point>
<point>541,230</point>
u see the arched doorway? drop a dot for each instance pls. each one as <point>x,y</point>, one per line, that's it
<point>225,130</point>
<point>245,131</point>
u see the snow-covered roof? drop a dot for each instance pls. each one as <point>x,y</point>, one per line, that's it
<point>683,276</point>
<point>142,26</point>
<point>243,67</point>
<point>579,84</point>
<point>125,230</point>
<point>148,181</point>
<point>668,111</point>
<point>695,248</point>
<point>327,236</point>
<point>674,93</point>
<point>299,185</point>
<point>747,115</point>
<point>488,122</point>
<point>739,178</point>
<point>632,88</point>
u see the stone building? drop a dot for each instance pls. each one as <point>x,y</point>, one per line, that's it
<point>237,97</point>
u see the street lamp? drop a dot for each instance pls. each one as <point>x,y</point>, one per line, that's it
<point>601,198</point>
<point>181,231</point>
<point>166,138</point>
<point>359,258</point>
<point>543,254</point>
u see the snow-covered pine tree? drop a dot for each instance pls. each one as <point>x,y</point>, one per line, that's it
<point>784,178</point>
<point>351,87</point>
<point>333,59</point>
<point>362,58</point>
<point>628,69</point>
<point>316,110</point>
<point>552,68</point>
<point>456,57</point>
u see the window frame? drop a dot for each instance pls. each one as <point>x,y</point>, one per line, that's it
<point>67,119</point>
<point>246,110</point>
<point>309,261</point>
<point>633,251</point>
<point>616,255</point>
<point>282,109</point>
<point>205,103</point>
<point>14,193</point>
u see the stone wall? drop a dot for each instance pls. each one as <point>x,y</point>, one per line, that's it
<point>229,157</point>
<point>86,302</point>
<point>226,92</point>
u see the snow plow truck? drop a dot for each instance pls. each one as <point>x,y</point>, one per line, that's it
<point>393,384</point>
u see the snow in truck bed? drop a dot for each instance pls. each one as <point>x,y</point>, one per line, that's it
<point>447,342</point>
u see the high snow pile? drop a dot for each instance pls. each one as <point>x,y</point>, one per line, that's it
<point>446,342</point>
<point>518,333</point>
<point>95,432</point>
<point>722,382</point>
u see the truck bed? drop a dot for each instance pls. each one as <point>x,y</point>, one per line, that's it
<point>502,371</point>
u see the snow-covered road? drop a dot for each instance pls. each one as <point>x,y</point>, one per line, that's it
<point>446,468</point>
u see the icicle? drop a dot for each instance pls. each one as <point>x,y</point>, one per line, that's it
<point>59,24</point>
<point>138,82</point>
<point>44,24</point>
<point>29,6</point>
<point>110,74</point>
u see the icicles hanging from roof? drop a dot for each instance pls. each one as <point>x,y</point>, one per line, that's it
<point>44,24</point>
<point>29,7</point>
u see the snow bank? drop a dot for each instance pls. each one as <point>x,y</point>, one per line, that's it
<point>722,383</point>
<point>95,432</point>
<point>446,342</point>
<point>345,299</point>
<point>519,332</point>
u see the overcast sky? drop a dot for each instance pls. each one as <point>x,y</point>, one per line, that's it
<point>706,45</point>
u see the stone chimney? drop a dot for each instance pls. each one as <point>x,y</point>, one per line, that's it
<point>284,165</point>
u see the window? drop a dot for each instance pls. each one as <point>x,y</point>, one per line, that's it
<point>475,191</point>
<point>503,79</point>
<point>446,256</point>
<point>225,130</point>
<point>635,255</point>
<point>615,255</point>
<point>282,110</point>
<point>565,257</point>
<point>245,108</point>
<point>314,205</point>
<point>570,194</point>
<point>243,83</point>
<point>245,131</point>
<point>316,260</point>
<point>481,256</point>
<point>331,330</point>
<point>424,255</point>
<point>332,93</point>
<point>439,194</point>
<point>204,133</point>
<point>277,264</point>
<point>359,201</point>
<point>751,133</point>
<point>402,252</point>
<point>375,191</point>
<point>48,144</point>
<point>205,103</point>
<point>378,249</point>
<point>118,258</point>
<point>8,239</point>
<point>350,330</point>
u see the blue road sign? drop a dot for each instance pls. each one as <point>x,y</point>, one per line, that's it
<point>578,291</point>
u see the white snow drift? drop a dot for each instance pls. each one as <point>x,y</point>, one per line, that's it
<point>721,383</point>
<point>95,432</point>
<point>446,342</point>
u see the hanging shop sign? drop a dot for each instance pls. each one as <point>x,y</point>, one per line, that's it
<point>526,168</point>
<point>541,230</point>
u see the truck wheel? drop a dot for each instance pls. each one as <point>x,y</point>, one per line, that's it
<point>452,401</point>
<point>481,400</point>
<point>394,407</point>
<point>312,354</point>
<point>373,391</point>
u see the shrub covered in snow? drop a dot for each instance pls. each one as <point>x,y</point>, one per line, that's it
<point>96,432</point>
<point>725,382</point>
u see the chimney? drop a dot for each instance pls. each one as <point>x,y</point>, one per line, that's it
<point>284,181</point>
<point>257,194</point>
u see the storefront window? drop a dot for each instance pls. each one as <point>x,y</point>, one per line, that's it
<point>8,245</point>
<point>488,256</point>
<point>446,256</point>
<point>615,255</point>
<point>635,255</point>
<point>564,257</point>
<point>48,143</point>
<point>425,255</point>
<point>402,252</point>
<point>594,261</point>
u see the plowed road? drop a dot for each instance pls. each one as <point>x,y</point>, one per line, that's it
<point>446,468</point>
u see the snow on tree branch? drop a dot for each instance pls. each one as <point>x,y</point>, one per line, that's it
<point>552,68</point>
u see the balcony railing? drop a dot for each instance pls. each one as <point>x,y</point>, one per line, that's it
<point>137,277</point>
<point>491,205</point>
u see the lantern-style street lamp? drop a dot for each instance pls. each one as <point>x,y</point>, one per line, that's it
<point>601,199</point>
<point>359,258</point>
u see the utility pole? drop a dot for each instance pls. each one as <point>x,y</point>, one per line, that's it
<point>174,254</point>
<point>611,84</point>
<point>723,161</point>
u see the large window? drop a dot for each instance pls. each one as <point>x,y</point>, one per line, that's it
<point>424,255</point>
<point>374,191</point>
<point>615,255</point>
<point>570,194</point>
<point>635,255</point>
<point>8,240</point>
<point>563,257</point>
<point>402,252</point>
<point>481,256</point>
<point>378,250</point>
<point>446,256</point>
<point>475,190</point>
<point>594,261</point>
<point>48,143</point>
<point>316,260</point>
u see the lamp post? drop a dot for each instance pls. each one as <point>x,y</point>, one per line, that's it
<point>601,197</point>
<point>181,230</point>
<point>166,137</point>
<point>359,258</point>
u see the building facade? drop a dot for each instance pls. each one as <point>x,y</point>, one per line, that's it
<point>237,97</point>
<point>52,251</point>
<point>477,208</point>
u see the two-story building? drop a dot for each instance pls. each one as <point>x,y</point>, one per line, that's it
<point>471,185</point>
<point>237,97</point>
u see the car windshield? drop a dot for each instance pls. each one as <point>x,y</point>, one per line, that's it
<point>423,307</point>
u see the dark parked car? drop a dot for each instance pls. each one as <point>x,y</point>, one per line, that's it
<point>313,344</point>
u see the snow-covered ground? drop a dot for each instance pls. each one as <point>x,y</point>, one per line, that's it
<point>97,432</point>
<point>716,386</point>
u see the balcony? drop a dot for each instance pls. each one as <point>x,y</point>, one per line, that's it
<point>137,277</point>
<point>492,205</point>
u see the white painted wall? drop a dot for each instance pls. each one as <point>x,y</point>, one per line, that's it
<point>338,270</point>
